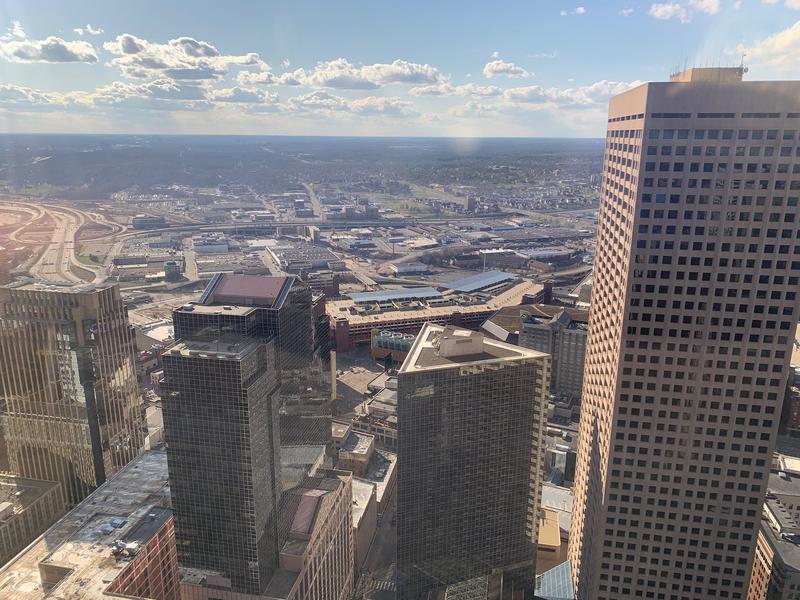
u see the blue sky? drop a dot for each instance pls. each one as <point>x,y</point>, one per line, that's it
<point>525,68</point>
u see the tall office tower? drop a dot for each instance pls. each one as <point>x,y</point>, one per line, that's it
<point>694,310</point>
<point>221,432</point>
<point>560,332</point>
<point>73,412</point>
<point>471,413</point>
<point>264,307</point>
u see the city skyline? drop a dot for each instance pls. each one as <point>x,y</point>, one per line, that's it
<point>308,68</point>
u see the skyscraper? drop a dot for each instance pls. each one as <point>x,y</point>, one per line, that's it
<point>73,412</point>
<point>285,308</point>
<point>470,432</point>
<point>244,377</point>
<point>560,332</point>
<point>694,309</point>
<point>221,432</point>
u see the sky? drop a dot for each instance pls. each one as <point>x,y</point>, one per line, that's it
<point>345,67</point>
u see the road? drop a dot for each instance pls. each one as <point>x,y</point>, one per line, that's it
<point>55,263</point>
<point>59,256</point>
<point>383,551</point>
<point>312,196</point>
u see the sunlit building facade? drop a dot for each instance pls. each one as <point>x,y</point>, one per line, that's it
<point>694,310</point>
<point>73,411</point>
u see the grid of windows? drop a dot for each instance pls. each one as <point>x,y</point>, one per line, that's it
<point>694,310</point>
<point>463,466</point>
<point>72,408</point>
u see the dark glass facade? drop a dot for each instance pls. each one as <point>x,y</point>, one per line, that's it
<point>296,318</point>
<point>469,466</point>
<point>250,372</point>
<point>220,418</point>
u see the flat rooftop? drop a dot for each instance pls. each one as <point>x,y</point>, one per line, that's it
<point>246,290</point>
<point>421,293</point>
<point>215,349</point>
<point>509,297</point>
<point>80,543</point>
<point>61,287</point>
<point>439,347</point>
<point>480,281</point>
<point>21,492</point>
<point>362,492</point>
<point>357,443</point>
<point>380,471</point>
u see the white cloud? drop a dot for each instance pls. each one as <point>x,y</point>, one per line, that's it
<point>401,71</point>
<point>24,98</point>
<point>563,13</point>
<point>495,54</point>
<point>581,10</point>
<point>50,50</point>
<point>318,100</point>
<point>471,110</point>
<point>779,52</point>
<point>286,63</point>
<point>626,12</point>
<point>499,67</point>
<point>16,30</point>
<point>684,11</point>
<point>380,105</point>
<point>88,30</point>
<point>673,10</point>
<point>597,93</point>
<point>448,89</point>
<point>245,95</point>
<point>182,58</point>
<point>340,73</point>
<point>709,7</point>
<point>270,78</point>
<point>553,54</point>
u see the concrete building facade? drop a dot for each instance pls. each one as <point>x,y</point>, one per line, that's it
<point>694,309</point>
<point>470,450</point>
<point>27,508</point>
<point>776,567</point>
<point>73,411</point>
<point>561,334</point>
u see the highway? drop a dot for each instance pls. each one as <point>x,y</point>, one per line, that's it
<point>56,261</point>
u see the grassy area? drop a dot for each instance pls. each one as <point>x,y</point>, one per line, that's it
<point>84,274</point>
<point>90,260</point>
<point>408,207</point>
<point>41,189</point>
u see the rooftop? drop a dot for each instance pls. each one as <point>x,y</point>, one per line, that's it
<point>21,492</point>
<point>480,281</point>
<point>384,317</point>
<point>61,287</point>
<point>381,469</point>
<point>246,290</point>
<point>419,293</point>
<point>363,490</point>
<point>447,347</point>
<point>358,443</point>
<point>217,349</point>
<point>79,545</point>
